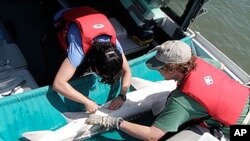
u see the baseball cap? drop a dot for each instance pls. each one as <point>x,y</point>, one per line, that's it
<point>173,52</point>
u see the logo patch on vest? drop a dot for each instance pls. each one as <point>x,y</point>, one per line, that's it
<point>98,26</point>
<point>208,80</point>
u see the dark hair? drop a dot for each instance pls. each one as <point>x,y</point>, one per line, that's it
<point>106,61</point>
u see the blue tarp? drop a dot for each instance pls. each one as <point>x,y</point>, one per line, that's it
<point>40,109</point>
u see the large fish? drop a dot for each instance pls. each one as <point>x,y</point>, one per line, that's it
<point>146,97</point>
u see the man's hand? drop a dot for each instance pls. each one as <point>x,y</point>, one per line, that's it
<point>105,121</point>
<point>116,103</point>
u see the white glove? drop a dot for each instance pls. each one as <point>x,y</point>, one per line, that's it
<point>105,121</point>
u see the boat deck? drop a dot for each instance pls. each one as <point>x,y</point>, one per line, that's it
<point>32,30</point>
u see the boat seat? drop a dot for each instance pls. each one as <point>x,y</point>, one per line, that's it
<point>4,34</point>
<point>129,46</point>
<point>14,76</point>
<point>15,81</point>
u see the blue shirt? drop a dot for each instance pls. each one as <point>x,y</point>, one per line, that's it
<point>75,49</point>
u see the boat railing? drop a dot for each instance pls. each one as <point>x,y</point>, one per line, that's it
<point>230,67</point>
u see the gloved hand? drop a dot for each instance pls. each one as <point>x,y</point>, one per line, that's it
<point>105,121</point>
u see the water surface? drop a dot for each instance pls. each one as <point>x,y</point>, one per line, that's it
<point>227,26</point>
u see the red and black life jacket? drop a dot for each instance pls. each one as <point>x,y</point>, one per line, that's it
<point>91,24</point>
<point>223,97</point>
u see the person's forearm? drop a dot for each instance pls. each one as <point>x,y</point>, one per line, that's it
<point>126,78</point>
<point>138,131</point>
<point>68,91</point>
<point>125,83</point>
<point>62,86</point>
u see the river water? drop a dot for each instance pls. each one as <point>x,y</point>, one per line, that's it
<point>227,26</point>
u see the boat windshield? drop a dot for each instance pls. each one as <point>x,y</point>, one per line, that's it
<point>183,12</point>
<point>177,6</point>
<point>177,9</point>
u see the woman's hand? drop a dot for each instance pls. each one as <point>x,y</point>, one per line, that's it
<point>91,106</point>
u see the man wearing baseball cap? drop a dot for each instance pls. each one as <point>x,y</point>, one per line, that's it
<point>204,92</point>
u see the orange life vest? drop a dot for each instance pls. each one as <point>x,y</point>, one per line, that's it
<point>222,96</point>
<point>91,24</point>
